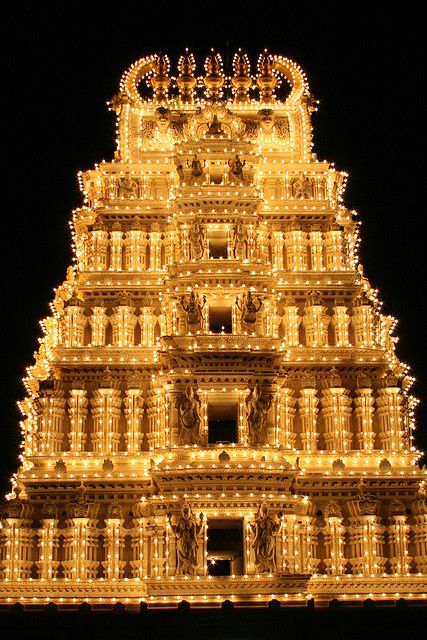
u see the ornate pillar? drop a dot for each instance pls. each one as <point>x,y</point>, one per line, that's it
<point>50,420</point>
<point>98,322</point>
<point>333,533</point>
<point>123,322</point>
<point>419,533</point>
<point>252,251</point>
<point>308,412</point>
<point>134,411</point>
<point>296,250</point>
<point>159,430</point>
<point>98,248</point>
<point>81,541</point>
<point>334,254</point>
<point>336,413</point>
<point>116,247</point>
<point>155,248</point>
<point>389,416</point>
<point>363,324</point>
<point>77,410</point>
<point>135,248</point>
<point>106,404</point>
<point>269,320</point>
<point>73,324</point>
<point>262,243</point>
<point>398,539</point>
<point>19,537</point>
<point>315,323</point>
<point>298,543</point>
<point>315,240</point>
<point>147,321</point>
<point>364,414</point>
<point>340,324</point>
<point>139,543</point>
<point>48,544</point>
<point>184,254</point>
<point>170,248</point>
<point>277,250</point>
<point>286,413</point>
<point>366,537</point>
<point>290,323</point>
<point>114,543</point>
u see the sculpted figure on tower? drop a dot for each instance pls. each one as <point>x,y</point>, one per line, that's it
<point>186,532</point>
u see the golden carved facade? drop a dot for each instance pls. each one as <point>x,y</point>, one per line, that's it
<point>216,409</point>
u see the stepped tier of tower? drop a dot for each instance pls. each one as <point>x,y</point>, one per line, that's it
<point>216,409</point>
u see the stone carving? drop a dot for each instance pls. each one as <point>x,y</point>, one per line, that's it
<point>186,532</point>
<point>239,242</point>
<point>114,510</point>
<point>197,241</point>
<point>162,119</point>
<point>197,173</point>
<point>194,310</point>
<point>384,465</point>
<point>302,187</point>
<point>249,306</point>
<point>266,120</point>
<point>396,507</point>
<point>338,465</point>
<point>236,168</point>
<point>80,506</point>
<point>257,406</point>
<point>282,129</point>
<point>15,509</point>
<point>224,457</point>
<point>49,511</point>
<point>333,509</point>
<point>264,529</point>
<point>107,465</point>
<point>127,187</point>
<point>60,466</point>
<point>80,509</point>
<point>215,129</point>
<point>189,417</point>
<point>368,505</point>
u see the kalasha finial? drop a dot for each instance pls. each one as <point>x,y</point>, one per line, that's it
<point>186,80</point>
<point>242,80</point>
<point>160,80</point>
<point>266,81</point>
<point>214,78</point>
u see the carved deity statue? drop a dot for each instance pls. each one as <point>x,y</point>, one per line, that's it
<point>197,241</point>
<point>265,529</point>
<point>194,310</point>
<point>266,121</point>
<point>249,307</point>
<point>257,407</point>
<point>186,532</point>
<point>196,167</point>
<point>236,168</point>
<point>127,187</point>
<point>215,129</point>
<point>302,187</point>
<point>162,119</point>
<point>239,242</point>
<point>189,417</point>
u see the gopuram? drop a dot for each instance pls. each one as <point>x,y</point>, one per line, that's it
<point>216,410</point>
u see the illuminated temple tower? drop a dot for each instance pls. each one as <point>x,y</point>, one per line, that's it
<point>216,410</point>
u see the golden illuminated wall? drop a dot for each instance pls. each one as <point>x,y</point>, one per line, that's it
<point>215,361</point>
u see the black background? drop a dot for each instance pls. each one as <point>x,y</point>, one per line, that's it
<point>61,63</point>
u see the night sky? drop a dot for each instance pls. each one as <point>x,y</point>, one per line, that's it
<point>365,65</point>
